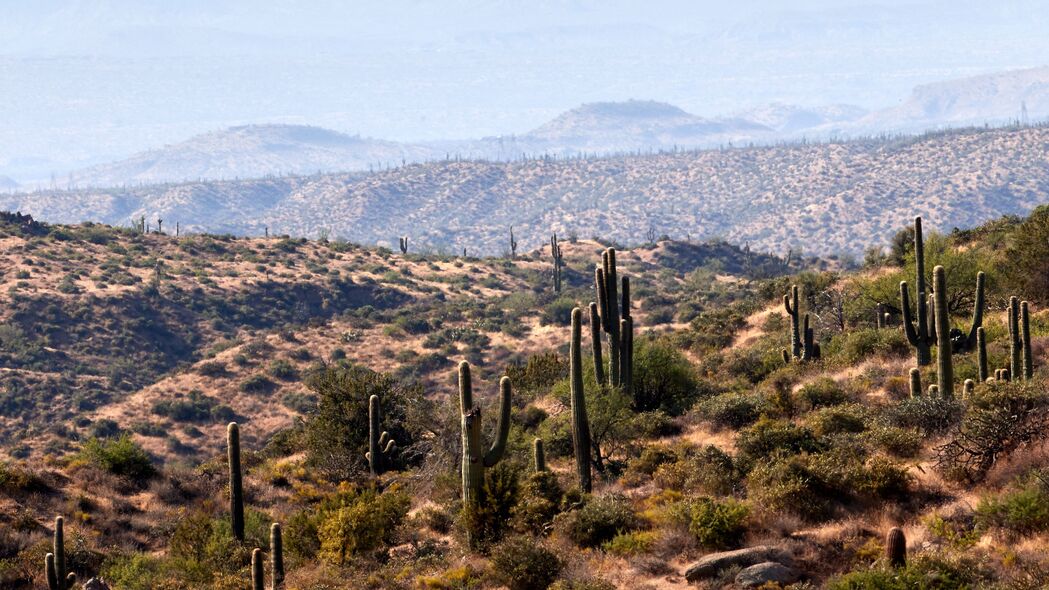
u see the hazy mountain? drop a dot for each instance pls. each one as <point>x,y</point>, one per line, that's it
<point>8,184</point>
<point>821,198</point>
<point>252,151</point>
<point>787,118</point>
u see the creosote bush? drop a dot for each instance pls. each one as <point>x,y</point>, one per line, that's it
<point>599,520</point>
<point>522,563</point>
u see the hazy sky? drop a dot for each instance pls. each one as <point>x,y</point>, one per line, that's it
<point>86,81</point>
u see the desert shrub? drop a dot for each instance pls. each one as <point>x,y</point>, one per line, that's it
<point>538,374</point>
<point>599,520</point>
<point>854,346</point>
<point>999,420</point>
<point>821,393</point>
<point>119,456</point>
<point>651,458</point>
<point>655,424</point>
<point>731,410</point>
<point>849,418</point>
<point>336,432</point>
<point>708,470</point>
<point>900,442</point>
<point>283,370</point>
<point>628,544</point>
<point>212,369</point>
<point>257,384</point>
<point>931,415</point>
<point>523,563</point>
<point>558,312</point>
<point>463,577</point>
<point>663,379</point>
<point>1024,509</point>
<point>195,407</point>
<point>769,437</point>
<point>488,519</point>
<point>358,522</point>
<point>925,572</point>
<point>412,324</point>
<point>16,479</point>
<point>1028,255</point>
<point>716,524</point>
<point>136,571</point>
<point>540,501</point>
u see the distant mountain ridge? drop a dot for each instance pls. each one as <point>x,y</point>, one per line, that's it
<point>819,198</point>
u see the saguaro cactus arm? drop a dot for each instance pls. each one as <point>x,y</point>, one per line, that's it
<point>978,305</point>
<point>236,489</point>
<point>502,428</point>
<point>595,343</point>
<point>580,423</point>
<point>944,366</point>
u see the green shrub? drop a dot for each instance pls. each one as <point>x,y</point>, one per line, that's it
<point>558,312</point>
<point>540,501</point>
<point>522,563</point>
<point>820,393</point>
<point>768,437</point>
<point>708,471</point>
<point>283,370</point>
<point>921,573</point>
<point>663,379</point>
<point>119,456</point>
<point>585,584</point>
<point>731,410</point>
<point>257,384</point>
<point>355,523</point>
<point>716,524</point>
<point>629,544</point>
<point>855,346</point>
<point>1023,510</point>
<point>899,442</point>
<point>931,415</point>
<point>489,518</point>
<point>849,418</point>
<point>598,521</point>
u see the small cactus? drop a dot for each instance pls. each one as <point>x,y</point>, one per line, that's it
<point>896,548</point>
<point>257,574</point>
<point>236,486</point>
<point>916,382</point>
<point>538,456</point>
<point>934,390</point>
<point>968,387</point>
<point>580,422</point>
<point>276,557</point>
<point>380,445</point>
<point>559,261</point>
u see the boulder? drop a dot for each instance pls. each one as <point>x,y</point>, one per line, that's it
<point>760,574</point>
<point>96,584</point>
<point>712,564</point>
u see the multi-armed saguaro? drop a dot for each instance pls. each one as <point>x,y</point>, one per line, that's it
<point>617,323</point>
<point>559,261</point>
<point>403,242</point>
<point>580,422</point>
<point>380,445</point>
<point>803,345</point>
<point>55,562</point>
<point>475,458</point>
<point>1021,364</point>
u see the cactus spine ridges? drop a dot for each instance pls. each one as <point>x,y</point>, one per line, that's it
<point>981,354</point>
<point>236,486</point>
<point>916,382</point>
<point>917,329</point>
<point>475,458</point>
<point>580,423</point>
<point>558,257</point>
<point>257,574</point>
<point>538,456</point>
<point>55,562</point>
<point>896,548</point>
<point>1025,341</point>
<point>380,445</point>
<point>944,366</point>
<point>276,557</point>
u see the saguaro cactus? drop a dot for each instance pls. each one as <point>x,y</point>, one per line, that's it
<point>896,548</point>
<point>803,345</point>
<point>1015,344</point>
<point>257,574</point>
<point>276,557</point>
<point>55,562</point>
<point>1025,341</point>
<point>513,244</point>
<point>403,242</point>
<point>538,455</point>
<point>595,343</point>
<point>944,366</point>
<point>916,382</point>
<point>611,319</point>
<point>580,422</point>
<point>236,486</point>
<point>558,258</point>
<point>380,445</point>
<point>969,342</point>
<point>475,458</point>
<point>968,387</point>
<point>918,332</point>
<point>981,354</point>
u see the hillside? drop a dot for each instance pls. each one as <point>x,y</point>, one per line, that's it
<point>252,151</point>
<point>712,462</point>
<point>818,198</point>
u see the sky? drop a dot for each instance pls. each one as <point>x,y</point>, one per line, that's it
<point>83,82</point>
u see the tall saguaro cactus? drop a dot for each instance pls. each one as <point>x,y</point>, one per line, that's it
<point>944,366</point>
<point>1025,341</point>
<point>380,445</point>
<point>538,455</point>
<point>1015,343</point>
<point>981,354</point>
<point>611,319</point>
<point>595,343</point>
<point>558,258</point>
<point>276,557</point>
<point>236,485</point>
<point>475,458</point>
<point>403,243</point>
<point>513,244</point>
<point>580,422</point>
<point>55,562</point>
<point>917,328</point>
<point>803,345</point>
